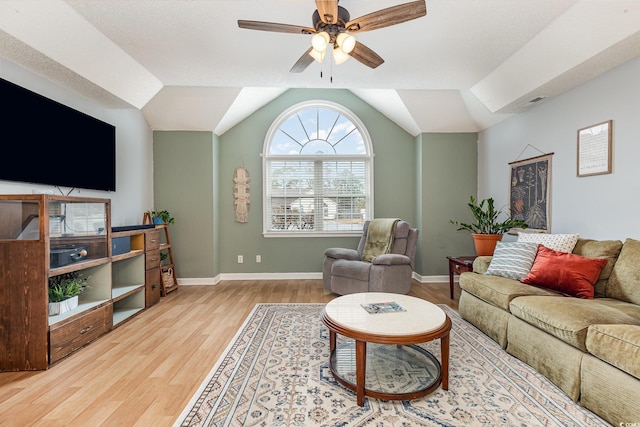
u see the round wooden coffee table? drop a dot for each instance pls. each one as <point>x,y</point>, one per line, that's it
<point>378,371</point>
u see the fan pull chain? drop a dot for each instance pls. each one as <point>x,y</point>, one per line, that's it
<point>331,66</point>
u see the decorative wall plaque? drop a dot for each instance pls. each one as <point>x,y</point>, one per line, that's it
<point>241,194</point>
<point>594,149</point>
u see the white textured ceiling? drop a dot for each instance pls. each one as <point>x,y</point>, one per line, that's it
<point>466,65</point>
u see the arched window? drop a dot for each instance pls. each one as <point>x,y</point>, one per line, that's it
<point>318,172</point>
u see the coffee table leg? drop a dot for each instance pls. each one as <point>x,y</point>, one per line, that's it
<point>361,369</point>
<point>332,341</point>
<point>444,355</point>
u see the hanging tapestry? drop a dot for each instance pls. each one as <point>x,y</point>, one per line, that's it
<point>529,192</point>
<point>241,194</point>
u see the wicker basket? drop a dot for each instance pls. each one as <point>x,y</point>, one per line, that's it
<point>167,278</point>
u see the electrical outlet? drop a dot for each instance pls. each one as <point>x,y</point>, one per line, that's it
<point>258,258</point>
<point>240,259</point>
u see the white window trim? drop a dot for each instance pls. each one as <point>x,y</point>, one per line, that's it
<point>275,125</point>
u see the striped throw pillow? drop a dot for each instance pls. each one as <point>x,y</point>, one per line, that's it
<point>512,259</point>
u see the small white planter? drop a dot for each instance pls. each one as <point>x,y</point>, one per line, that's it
<point>63,306</point>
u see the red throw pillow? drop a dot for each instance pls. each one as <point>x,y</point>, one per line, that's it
<point>569,274</point>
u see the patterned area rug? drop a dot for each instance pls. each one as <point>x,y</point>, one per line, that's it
<point>275,373</point>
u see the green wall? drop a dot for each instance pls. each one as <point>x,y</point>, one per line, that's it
<point>184,184</point>
<point>426,180</point>
<point>447,177</point>
<point>394,171</point>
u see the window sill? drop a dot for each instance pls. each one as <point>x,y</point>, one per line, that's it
<point>276,234</point>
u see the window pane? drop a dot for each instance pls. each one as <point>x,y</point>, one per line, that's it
<point>317,147</point>
<point>351,144</point>
<point>342,128</point>
<point>283,144</point>
<point>325,194</point>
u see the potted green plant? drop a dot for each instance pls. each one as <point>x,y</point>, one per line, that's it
<point>161,217</point>
<point>63,292</point>
<point>488,228</point>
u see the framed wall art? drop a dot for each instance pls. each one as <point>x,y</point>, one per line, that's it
<point>594,149</point>
<point>529,191</point>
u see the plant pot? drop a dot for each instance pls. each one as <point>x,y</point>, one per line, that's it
<point>157,220</point>
<point>63,306</point>
<point>486,243</point>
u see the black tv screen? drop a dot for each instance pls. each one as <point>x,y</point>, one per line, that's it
<point>45,142</point>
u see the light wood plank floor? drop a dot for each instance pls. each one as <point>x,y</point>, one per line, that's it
<point>145,372</point>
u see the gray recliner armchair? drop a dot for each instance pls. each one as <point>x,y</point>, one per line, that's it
<point>344,272</point>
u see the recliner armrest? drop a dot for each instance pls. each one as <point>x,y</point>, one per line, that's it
<point>391,259</point>
<point>342,253</point>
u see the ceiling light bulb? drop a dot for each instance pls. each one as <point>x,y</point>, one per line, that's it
<point>339,56</point>
<point>346,42</point>
<point>320,41</point>
<point>318,56</point>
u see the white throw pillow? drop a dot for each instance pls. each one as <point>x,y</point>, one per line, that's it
<point>512,259</point>
<point>557,242</point>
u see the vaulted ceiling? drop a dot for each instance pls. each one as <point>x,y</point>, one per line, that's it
<point>463,67</point>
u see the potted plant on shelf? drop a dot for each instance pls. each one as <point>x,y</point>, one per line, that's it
<point>161,217</point>
<point>488,229</point>
<point>63,292</point>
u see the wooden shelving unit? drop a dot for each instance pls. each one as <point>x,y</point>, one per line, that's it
<point>41,237</point>
<point>167,270</point>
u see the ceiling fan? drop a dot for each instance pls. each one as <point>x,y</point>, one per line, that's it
<point>331,30</point>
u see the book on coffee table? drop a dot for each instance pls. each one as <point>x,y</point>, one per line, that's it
<point>382,307</point>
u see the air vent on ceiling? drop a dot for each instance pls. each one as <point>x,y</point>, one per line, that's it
<point>533,102</point>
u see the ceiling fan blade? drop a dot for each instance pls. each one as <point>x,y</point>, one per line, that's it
<point>390,16</point>
<point>302,64</point>
<point>277,28</point>
<point>365,55</point>
<point>328,11</point>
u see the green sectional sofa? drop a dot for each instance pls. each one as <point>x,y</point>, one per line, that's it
<point>590,348</point>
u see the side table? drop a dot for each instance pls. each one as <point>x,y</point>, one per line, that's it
<point>459,265</point>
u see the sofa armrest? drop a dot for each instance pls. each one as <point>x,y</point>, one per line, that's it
<point>481,264</point>
<point>342,253</point>
<point>391,259</point>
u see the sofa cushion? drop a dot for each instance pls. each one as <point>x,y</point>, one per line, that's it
<point>608,249</point>
<point>498,291</point>
<point>624,282</point>
<point>512,260</point>
<point>618,345</point>
<point>628,308</point>
<point>569,274</point>
<point>568,318</point>
<point>557,242</point>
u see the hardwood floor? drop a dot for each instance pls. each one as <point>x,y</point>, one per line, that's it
<point>145,372</point>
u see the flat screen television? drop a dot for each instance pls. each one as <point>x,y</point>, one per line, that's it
<point>45,142</point>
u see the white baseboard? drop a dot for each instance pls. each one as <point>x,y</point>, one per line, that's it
<point>432,279</point>
<point>198,281</point>
<point>284,276</point>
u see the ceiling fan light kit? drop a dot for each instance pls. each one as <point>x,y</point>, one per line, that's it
<point>317,55</point>
<point>320,41</point>
<point>346,42</point>
<point>330,25</point>
<point>339,56</point>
